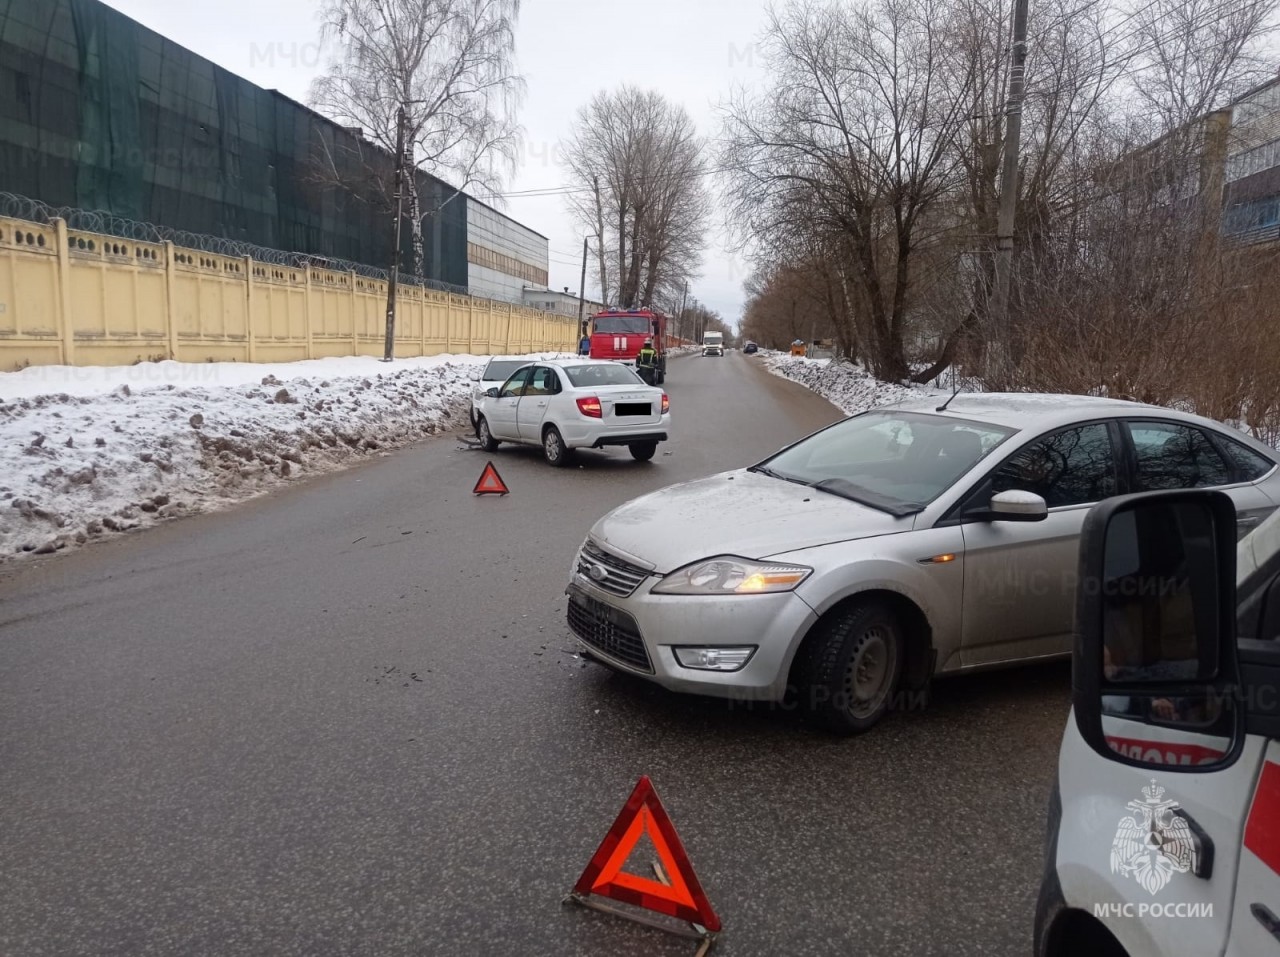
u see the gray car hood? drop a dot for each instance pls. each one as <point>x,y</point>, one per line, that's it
<point>736,513</point>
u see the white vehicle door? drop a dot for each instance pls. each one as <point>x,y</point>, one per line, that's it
<point>540,391</point>
<point>1020,577</point>
<point>501,411</point>
<point>1170,455</point>
<point>1255,922</point>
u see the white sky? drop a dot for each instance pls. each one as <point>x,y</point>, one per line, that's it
<point>692,51</point>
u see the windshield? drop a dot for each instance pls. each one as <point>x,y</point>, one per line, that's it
<point>610,373</point>
<point>501,370</point>
<point>622,325</point>
<point>894,461</point>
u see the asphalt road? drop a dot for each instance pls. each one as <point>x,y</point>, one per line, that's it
<point>339,721</point>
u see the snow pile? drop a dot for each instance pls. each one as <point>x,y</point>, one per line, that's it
<point>847,386</point>
<point>85,452</point>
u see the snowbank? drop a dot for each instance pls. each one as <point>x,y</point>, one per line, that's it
<point>847,386</point>
<point>85,452</point>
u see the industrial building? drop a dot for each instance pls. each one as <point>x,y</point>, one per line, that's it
<point>1251,195</point>
<point>100,113</point>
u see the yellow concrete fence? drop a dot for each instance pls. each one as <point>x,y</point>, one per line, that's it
<point>75,298</point>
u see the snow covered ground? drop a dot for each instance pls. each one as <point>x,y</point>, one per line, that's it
<point>87,452</point>
<point>847,386</point>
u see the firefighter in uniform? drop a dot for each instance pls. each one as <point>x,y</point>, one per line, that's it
<point>647,362</point>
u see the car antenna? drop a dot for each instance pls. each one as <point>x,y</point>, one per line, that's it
<point>943,407</point>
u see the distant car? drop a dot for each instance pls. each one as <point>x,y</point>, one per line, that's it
<point>750,347</point>
<point>495,372</point>
<point>569,404</point>
<point>925,537</point>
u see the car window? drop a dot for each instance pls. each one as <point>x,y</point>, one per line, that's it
<point>605,373</point>
<point>515,385</point>
<point>499,370</point>
<point>544,382</point>
<point>1169,455</point>
<point>1071,467</point>
<point>905,457</point>
<point>1250,466</point>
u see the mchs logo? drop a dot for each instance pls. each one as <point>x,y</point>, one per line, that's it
<point>1153,843</point>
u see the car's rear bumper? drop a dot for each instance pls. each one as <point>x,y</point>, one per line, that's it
<point>628,439</point>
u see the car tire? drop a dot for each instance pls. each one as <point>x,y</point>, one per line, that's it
<point>487,441</point>
<point>553,448</point>
<point>851,668</point>
<point>643,451</point>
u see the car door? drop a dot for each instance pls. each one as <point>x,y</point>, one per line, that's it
<point>533,405</point>
<point>1172,455</point>
<point>501,411</point>
<point>1020,577</point>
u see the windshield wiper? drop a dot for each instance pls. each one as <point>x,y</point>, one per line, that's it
<point>765,470</point>
<point>846,489</point>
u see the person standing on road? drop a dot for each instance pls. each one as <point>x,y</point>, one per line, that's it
<point>647,362</point>
<point>584,345</point>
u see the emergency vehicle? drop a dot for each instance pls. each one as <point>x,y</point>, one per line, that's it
<point>1164,821</point>
<point>620,334</point>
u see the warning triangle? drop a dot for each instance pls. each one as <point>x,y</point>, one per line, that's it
<point>642,815</point>
<point>490,482</point>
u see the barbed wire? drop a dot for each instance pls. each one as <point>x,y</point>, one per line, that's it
<point>109,224</point>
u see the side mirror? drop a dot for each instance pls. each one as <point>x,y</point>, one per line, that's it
<point>1155,670</point>
<point>492,393</point>
<point>1012,505</point>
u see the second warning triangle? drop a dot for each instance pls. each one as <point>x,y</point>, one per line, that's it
<point>490,482</point>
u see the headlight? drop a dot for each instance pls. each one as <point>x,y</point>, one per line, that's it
<point>727,575</point>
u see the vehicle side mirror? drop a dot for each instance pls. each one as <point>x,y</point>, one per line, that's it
<point>492,393</point>
<point>1155,669</point>
<point>1013,505</point>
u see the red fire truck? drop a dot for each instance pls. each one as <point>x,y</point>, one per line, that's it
<point>620,334</point>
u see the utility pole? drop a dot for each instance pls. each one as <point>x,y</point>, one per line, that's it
<point>683,299</point>
<point>390,344</point>
<point>1009,190</point>
<point>582,291</point>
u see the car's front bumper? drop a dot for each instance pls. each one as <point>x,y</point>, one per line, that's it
<point>607,627</point>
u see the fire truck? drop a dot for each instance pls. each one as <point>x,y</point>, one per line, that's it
<point>619,334</point>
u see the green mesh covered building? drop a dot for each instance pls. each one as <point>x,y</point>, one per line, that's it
<point>98,112</point>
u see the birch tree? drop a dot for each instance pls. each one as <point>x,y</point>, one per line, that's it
<point>449,64</point>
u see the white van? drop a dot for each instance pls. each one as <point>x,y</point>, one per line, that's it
<point>713,344</point>
<point>1164,822</point>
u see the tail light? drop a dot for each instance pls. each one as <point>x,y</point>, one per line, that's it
<point>591,407</point>
<point>666,404</point>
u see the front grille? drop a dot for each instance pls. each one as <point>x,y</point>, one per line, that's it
<point>608,630</point>
<point>621,577</point>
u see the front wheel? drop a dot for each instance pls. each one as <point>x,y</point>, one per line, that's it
<point>851,668</point>
<point>643,451</point>
<point>487,441</point>
<point>553,448</point>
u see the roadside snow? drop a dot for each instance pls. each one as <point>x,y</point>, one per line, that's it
<point>85,452</point>
<point>847,386</point>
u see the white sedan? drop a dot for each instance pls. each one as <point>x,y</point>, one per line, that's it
<point>569,404</point>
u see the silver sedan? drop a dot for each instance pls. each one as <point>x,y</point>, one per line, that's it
<point>845,571</point>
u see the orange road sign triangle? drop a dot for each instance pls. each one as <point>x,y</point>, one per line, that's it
<point>490,482</point>
<point>683,898</point>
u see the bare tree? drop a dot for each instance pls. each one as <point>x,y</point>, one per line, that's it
<point>856,137</point>
<point>638,163</point>
<point>449,65</point>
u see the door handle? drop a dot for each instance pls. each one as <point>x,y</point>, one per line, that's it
<point>1267,919</point>
<point>542,405</point>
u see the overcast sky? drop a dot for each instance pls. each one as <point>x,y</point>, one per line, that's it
<point>692,51</point>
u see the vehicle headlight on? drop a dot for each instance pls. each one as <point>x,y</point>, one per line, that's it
<point>732,576</point>
<point>714,659</point>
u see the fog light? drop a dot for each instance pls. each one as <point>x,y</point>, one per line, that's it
<point>714,659</point>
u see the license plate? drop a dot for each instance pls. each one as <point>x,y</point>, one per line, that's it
<point>633,408</point>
